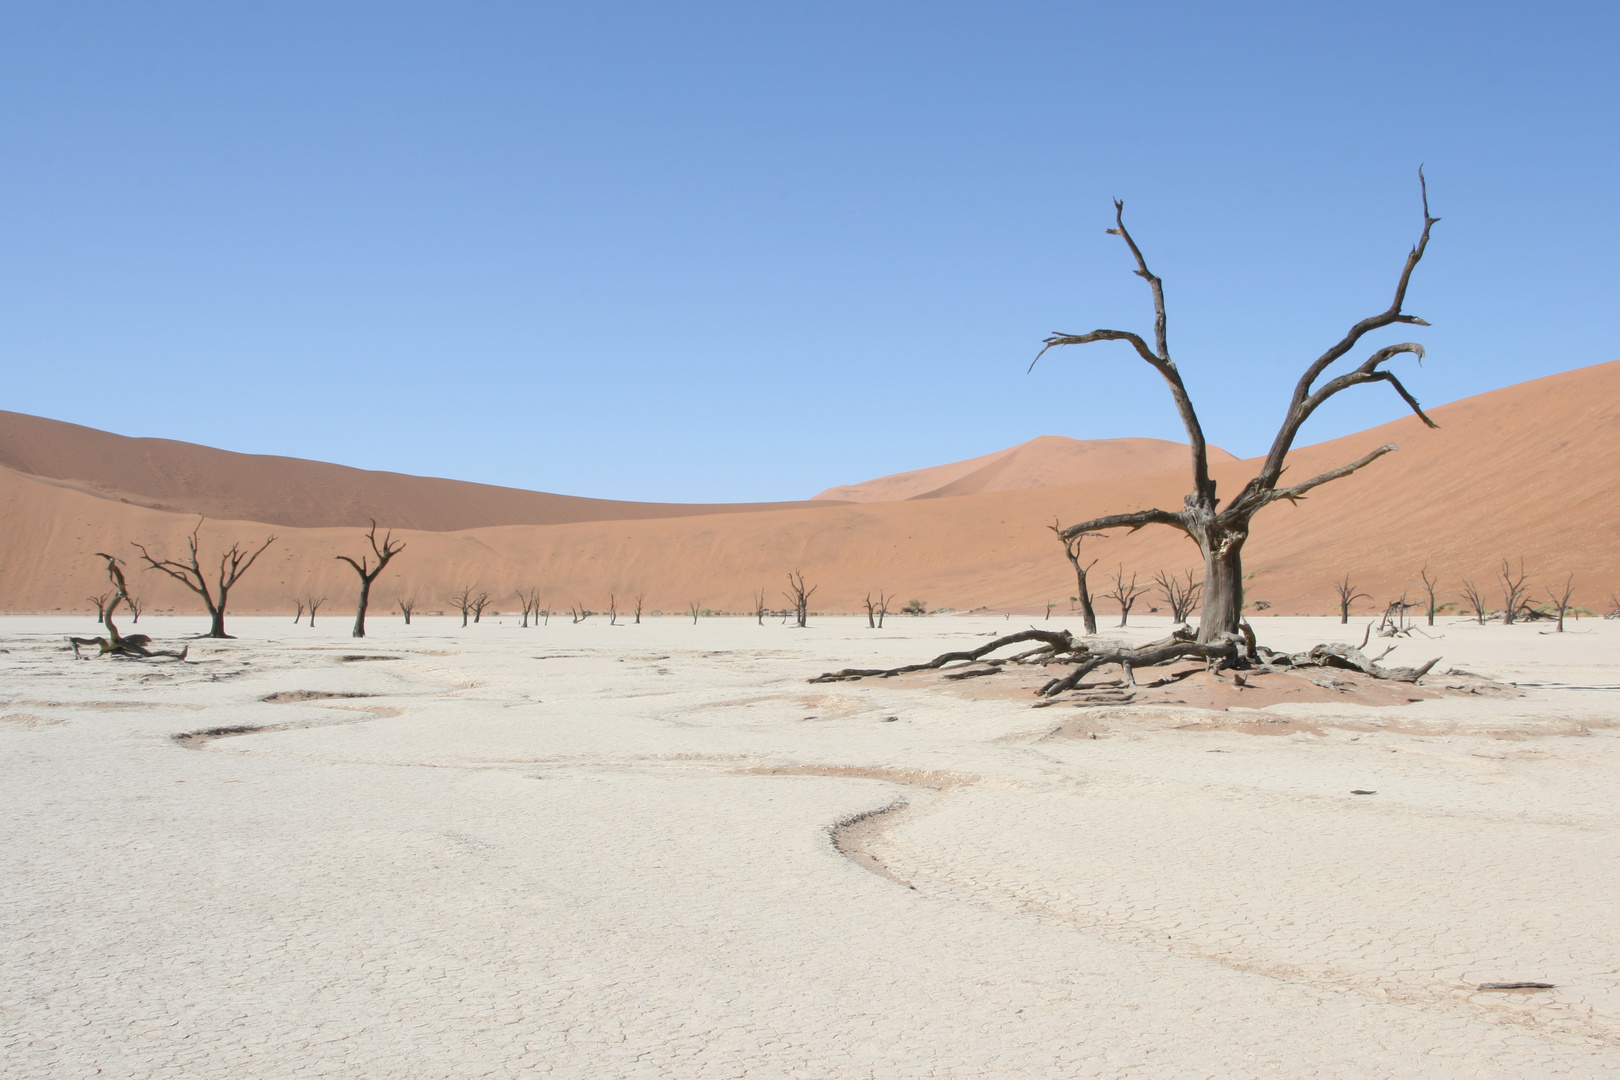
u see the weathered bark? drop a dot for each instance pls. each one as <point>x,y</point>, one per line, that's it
<point>1071,549</point>
<point>1220,531</point>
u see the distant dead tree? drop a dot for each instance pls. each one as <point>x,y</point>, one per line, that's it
<point>407,604</point>
<point>613,610</point>
<point>1220,532</point>
<point>579,614</point>
<point>382,553</point>
<point>136,605</point>
<point>1393,624</point>
<point>314,603</point>
<point>640,596</point>
<point>1560,599</point>
<point>1124,593</point>
<point>101,604</point>
<point>799,596</point>
<point>1475,598</point>
<point>478,604</point>
<point>875,609</point>
<point>531,605</point>
<point>1071,549</point>
<point>694,609</point>
<point>1347,596</point>
<point>463,601</point>
<point>1180,593</point>
<point>1513,590</point>
<point>299,613</point>
<point>114,643</point>
<point>1429,584</point>
<point>232,565</point>
<point>1614,607</point>
<point>759,606</point>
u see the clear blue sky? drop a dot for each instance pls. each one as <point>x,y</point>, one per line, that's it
<point>746,251</point>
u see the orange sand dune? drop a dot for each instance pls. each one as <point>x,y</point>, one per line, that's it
<point>1044,461</point>
<point>186,478</point>
<point>1529,470</point>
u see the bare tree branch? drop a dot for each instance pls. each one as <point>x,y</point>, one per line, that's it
<point>1297,492</point>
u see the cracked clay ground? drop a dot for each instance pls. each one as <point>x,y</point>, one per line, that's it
<point>656,851</point>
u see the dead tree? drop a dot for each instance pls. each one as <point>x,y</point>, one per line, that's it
<point>1393,624</point>
<point>531,605</point>
<point>478,604</point>
<point>1220,533</point>
<point>463,601</point>
<point>759,606</point>
<point>407,604</point>
<point>314,603</point>
<point>613,610</point>
<point>639,598</point>
<point>1124,593</point>
<point>1347,596</point>
<point>1475,598</point>
<point>799,596</point>
<point>1560,599</point>
<point>382,553</point>
<point>1428,591</point>
<point>232,565</point>
<point>298,613</point>
<point>579,614</point>
<point>114,643</point>
<point>871,612</point>
<point>1181,595</point>
<point>1071,549</point>
<point>694,609</point>
<point>135,605</point>
<point>883,607</point>
<point>101,604</point>
<point>1513,590</point>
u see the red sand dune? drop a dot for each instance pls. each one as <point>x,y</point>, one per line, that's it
<point>1528,470</point>
<point>1044,461</point>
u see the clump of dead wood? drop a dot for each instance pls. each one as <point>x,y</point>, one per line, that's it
<point>1238,652</point>
<point>135,646</point>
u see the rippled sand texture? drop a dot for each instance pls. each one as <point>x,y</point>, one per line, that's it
<point>656,851</point>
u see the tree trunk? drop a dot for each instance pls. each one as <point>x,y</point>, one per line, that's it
<point>216,626</point>
<point>1223,586</point>
<point>1087,612</point>
<point>360,613</point>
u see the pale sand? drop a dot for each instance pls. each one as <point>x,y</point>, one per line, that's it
<point>593,851</point>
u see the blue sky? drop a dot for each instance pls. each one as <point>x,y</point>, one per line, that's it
<point>725,252</point>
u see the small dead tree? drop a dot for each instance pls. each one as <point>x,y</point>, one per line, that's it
<point>1124,593</point>
<point>639,598</point>
<point>407,604</point>
<point>463,601</point>
<point>1513,590</point>
<point>1475,598</point>
<point>1221,531</point>
<point>1181,593</point>
<point>1560,599</point>
<point>1071,549</point>
<point>101,604</point>
<point>871,612</point>
<point>1429,584</point>
<point>382,553</point>
<point>314,603</point>
<point>694,609</point>
<point>114,643</point>
<point>759,606</point>
<point>613,610</point>
<point>478,604</point>
<point>232,565</point>
<point>799,596</point>
<point>1347,596</point>
<point>299,613</point>
<point>136,606</point>
<point>883,607</point>
<point>1393,624</point>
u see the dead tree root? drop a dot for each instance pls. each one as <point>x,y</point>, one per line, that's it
<point>1237,651</point>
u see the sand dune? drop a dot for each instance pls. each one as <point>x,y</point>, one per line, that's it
<point>186,478</point>
<point>1529,470</point>
<point>1045,461</point>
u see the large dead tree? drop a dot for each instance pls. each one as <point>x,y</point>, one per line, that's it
<point>382,553</point>
<point>232,565</point>
<point>1221,532</point>
<point>1071,548</point>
